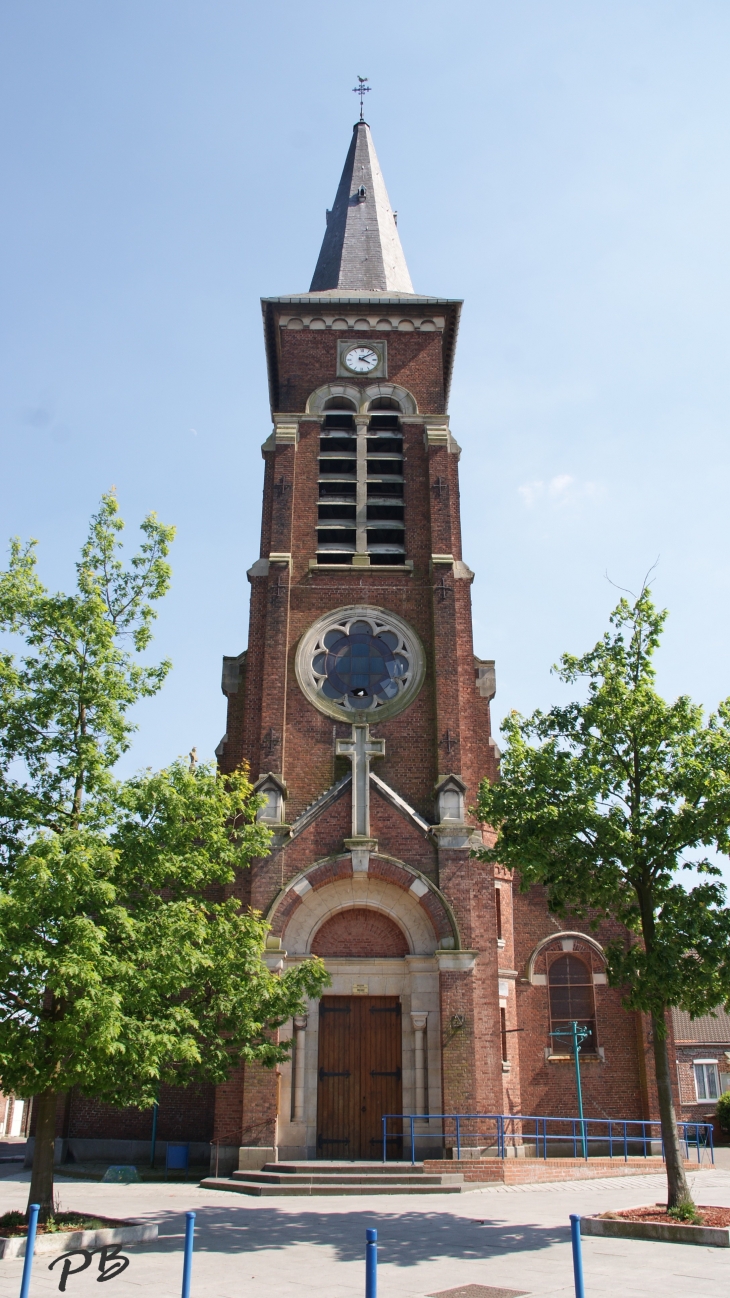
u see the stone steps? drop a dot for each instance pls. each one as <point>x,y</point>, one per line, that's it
<point>301,1178</point>
<point>320,1167</point>
<point>291,1191</point>
<point>322,1178</point>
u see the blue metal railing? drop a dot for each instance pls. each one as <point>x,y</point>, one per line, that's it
<point>513,1130</point>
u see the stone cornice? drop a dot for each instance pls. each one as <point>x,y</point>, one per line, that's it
<point>456,961</point>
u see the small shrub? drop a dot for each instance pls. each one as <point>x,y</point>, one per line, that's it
<point>15,1223</point>
<point>11,1221</point>
<point>723,1113</point>
<point>73,1221</point>
<point>686,1212</point>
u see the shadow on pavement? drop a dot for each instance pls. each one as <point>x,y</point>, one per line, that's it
<point>404,1238</point>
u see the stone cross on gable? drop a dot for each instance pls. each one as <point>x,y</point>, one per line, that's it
<point>360,749</point>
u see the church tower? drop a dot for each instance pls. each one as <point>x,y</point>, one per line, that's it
<point>362,710</point>
<point>363,714</point>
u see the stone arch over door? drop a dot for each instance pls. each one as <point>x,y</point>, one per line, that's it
<point>414,903</point>
<point>361,893</point>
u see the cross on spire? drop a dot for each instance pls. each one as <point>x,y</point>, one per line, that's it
<point>362,89</point>
<point>360,749</point>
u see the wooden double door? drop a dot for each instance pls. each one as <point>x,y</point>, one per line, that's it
<point>360,1079</point>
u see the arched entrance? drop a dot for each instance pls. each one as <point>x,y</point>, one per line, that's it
<point>372,1044</point>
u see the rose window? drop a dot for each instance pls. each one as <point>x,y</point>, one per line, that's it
<point>360,660</point>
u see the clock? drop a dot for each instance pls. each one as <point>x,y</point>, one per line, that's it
<point>361,360</point>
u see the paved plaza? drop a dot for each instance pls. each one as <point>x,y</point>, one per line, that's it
<point>506,1237</point>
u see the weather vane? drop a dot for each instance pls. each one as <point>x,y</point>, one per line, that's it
<point>361,90</point>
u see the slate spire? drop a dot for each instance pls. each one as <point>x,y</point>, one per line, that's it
<point>361,250</point>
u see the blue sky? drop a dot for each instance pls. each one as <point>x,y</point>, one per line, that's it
<point>562,166</point>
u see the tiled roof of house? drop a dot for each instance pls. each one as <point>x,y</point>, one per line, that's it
<point>706,1029</point>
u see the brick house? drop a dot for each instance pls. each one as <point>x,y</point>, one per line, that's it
<point>363,713</point>
<point>703,1063</point>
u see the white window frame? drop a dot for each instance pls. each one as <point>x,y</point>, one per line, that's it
<point>704,1064</point>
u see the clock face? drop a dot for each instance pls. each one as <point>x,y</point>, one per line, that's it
<point>361,360</point>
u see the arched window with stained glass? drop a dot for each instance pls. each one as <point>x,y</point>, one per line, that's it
<point>570,983</point>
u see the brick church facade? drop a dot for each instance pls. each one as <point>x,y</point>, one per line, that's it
<point>371,866</point>
<point>363,713</point>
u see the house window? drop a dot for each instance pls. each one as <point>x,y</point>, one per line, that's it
<point>503,1033</point>
<point>570,984</point>
<point>498,911</point>
<point>707,1082</point>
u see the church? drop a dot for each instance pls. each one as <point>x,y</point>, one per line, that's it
<point>363,713</point>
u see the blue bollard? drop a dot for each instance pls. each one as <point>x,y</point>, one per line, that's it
<point>188,1258</point>
<point>371,1264</point>
<point>577,1255</point>
<point>33,1209</point>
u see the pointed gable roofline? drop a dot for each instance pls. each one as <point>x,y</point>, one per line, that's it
<point>361,250</point>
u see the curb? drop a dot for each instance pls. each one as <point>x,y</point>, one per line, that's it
<point>611,1227</point>
<point>67,1241</point>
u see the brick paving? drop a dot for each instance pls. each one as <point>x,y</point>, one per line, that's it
<point>510,1237</point>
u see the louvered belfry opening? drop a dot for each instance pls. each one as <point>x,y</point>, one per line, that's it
<point>337,505</point>
<point>360,509</point>
<point>385,508</point>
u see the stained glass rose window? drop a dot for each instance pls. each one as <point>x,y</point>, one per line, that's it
<point>360,660</point>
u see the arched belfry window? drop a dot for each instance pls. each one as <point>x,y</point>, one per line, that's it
<point>570,983</point>
<point>360,506</point>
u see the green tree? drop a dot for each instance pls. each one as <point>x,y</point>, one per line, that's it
<point>723,1113</point>
<point>125,958</point>
<point>605,802</point>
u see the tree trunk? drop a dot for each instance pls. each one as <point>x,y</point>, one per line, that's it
<point>41,1182</point>
<point>677,1186</point>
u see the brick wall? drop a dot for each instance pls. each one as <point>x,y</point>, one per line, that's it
<point>308,360</point>
<point>471,1054</point>
<point>518,1171</point>
<point>228,1115</point>
<point>261,1091</point>
<point>185,1113</point>
<point>358,933</point>
<point>615,1087</point>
